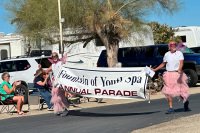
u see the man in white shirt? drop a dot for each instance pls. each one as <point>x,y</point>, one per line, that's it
<point>175,81</point>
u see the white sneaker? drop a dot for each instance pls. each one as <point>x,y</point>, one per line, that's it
<point>64,113</point>
<point>51,109</point>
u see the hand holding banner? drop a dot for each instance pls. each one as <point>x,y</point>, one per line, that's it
<point>149,72</point>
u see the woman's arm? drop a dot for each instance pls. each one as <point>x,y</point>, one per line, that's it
<point>64,59</point>
<point>9,91</point>
<point>49,69</point>
<point>180,66</point>
<point>42,83</point>
<point>159,67</point>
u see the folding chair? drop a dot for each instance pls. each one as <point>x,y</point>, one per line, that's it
<point>36,99</point>
<point>8,105</point>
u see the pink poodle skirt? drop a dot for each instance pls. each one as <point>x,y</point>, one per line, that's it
<point>175,84</point>
<point>59,100</point>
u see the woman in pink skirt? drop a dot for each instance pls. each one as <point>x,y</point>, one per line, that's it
<point>175,81</point>
<point>60,103</point>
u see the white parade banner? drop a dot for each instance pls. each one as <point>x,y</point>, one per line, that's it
<point>116,83</point>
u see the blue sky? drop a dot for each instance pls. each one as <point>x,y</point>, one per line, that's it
<point>5,25</point>
<point>188,15</point>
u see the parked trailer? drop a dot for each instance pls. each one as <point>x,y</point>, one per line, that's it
<point>190,35</point>
<point>88,56</point>
<point>11,46</point>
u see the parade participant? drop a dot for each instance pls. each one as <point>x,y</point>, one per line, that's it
<point>60,103</point>
<point>8,92</point>
<point>175,81</point>
<point>181,47</point>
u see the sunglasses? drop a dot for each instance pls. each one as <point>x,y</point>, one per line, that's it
<point>44,73</point>
<point>8,76</point>
<point>55,56</point>
<point>172,44</point>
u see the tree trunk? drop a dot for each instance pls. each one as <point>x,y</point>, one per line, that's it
<point>112,54</point>
<point>111,45</point>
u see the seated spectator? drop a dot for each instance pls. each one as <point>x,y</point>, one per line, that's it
<point>8,92</point>
<point>40,82</point>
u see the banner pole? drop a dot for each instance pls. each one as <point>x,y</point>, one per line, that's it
<point>149,90</point>
<point>149,94</point>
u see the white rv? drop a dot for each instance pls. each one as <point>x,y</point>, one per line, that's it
<point>11,46</point>
<point>88,56</point>
<point>190,35</point>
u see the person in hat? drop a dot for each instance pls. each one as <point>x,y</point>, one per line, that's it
<point>175,81</point>
<point>40,82</point>
<point>60,103</point>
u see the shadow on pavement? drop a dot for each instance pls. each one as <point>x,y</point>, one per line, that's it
<point>181,110</point>
<point>90,114</point>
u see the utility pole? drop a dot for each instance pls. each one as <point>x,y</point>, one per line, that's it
<point>61,50</point>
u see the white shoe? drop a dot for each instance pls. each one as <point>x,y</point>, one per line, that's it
<point>50,109</point>
<point>64,113</point>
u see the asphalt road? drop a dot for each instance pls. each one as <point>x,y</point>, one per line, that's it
<point>109,119</point>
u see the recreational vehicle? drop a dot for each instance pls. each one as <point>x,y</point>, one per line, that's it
<point>11,46</point>
<point>88,56</point>
<point>190,35</point>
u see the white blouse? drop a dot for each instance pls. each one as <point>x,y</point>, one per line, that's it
<point>173,60</point>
